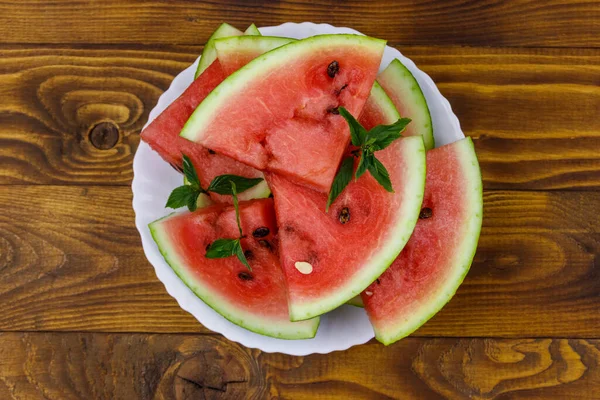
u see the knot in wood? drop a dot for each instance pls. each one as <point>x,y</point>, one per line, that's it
<point>211,374</point>
<point>104,135</point>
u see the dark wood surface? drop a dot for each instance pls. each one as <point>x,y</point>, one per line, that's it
<point>84,316</point>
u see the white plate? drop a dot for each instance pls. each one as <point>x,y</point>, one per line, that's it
<point>154,179</point>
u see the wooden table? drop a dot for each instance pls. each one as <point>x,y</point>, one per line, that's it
<point>83,315</point>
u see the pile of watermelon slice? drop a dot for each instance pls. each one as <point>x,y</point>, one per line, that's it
<point>268,107</point>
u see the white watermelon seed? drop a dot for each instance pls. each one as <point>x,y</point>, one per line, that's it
<point>303,267</point>
<point>369,293</point>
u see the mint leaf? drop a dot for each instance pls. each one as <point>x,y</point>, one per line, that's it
<point>183,196</point>
<point>363,164</point>
<point>236,206</point>
<point>341,180</point>
<point>192,203</point>
<point>241,256</point>
<point>384,135</point>
<point>225,248</point>
<point>221,184</point>
<point>358,134</point>
<point>190,173</point>
<point>381,174</point>
<point>222,248</point>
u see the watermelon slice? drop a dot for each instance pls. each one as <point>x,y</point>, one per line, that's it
<point>283,104</point>
<point>405,92</point>
<point>364,230</point>
<point>255,300</point>
<point>163,133</point>
<point>440,251</point>
<point>224,30</point>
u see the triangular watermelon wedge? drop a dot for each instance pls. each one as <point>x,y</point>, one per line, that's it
<point>278,112</point>
<point>440,251</point>
<point>255,300</point>
<point>363,232</point>
<point>163,133</point>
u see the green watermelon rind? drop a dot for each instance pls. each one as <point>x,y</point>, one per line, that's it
<point>414,153</point>
<point>399,79</point>
<point>253,44</point>
<point>356,301</point>
<point>260,191</point>
<point>466,252</point>
<point>209,54</point>
<point>252,30</point>
<point>268,327</point>
<point>264,64</point>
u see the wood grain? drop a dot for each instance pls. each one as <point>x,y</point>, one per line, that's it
<point>566,23</point>
<point>70,259</point>
<point>139,366</point>
<point>52,99</point>
<point>532,112</point>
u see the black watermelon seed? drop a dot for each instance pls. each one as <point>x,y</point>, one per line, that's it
<point>208,247</point>
<point>333,69</point>
<point>378,281</point>
<point>265,244</point>
<point>339,91</point>
<point>425,213</point>
<point>248,254</point>
<point>245,276</point>
<point>211,151</point>
<point>261,232</point>
<point>333,110</point>
<point>344,215</point>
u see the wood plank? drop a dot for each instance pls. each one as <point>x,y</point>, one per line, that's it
<point>532,112</point>
<point>139,366</point>
<point>70,259</point>
<point>566,23</point>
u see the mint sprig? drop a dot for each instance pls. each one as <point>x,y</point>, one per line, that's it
<point>223,248</point>
<point>341,180</point>
<point>368,142</point>
<point>181,196</point>
<point>187,195</point>
<point>221,184</point>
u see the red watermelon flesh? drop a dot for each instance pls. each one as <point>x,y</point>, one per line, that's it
<point>440,251</point>
<point>163,136</point>
<point>282,106</point>
<point>346,256</point>
<point>253,299</point>
<point>163,132</point>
